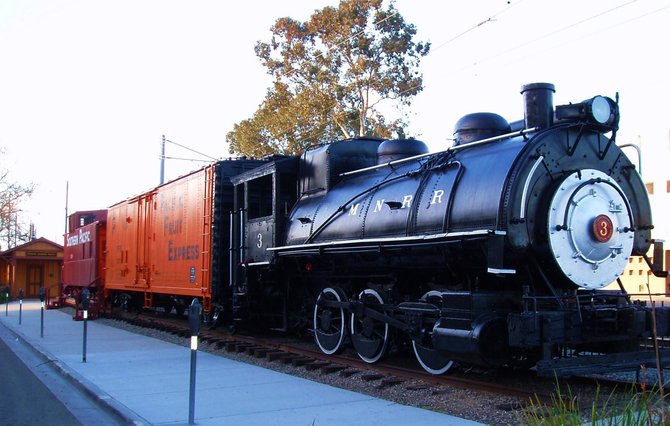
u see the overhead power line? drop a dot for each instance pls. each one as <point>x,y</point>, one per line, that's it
<point>558,31</point>
<point>186,159</point>
<point>477,25</point>
<point>162,157</point>
<point>190,149</point>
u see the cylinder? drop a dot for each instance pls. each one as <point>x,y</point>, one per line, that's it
<point>485,343</point>
<point>538,100</point>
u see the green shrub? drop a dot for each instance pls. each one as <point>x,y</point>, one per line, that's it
<point>631,408</point>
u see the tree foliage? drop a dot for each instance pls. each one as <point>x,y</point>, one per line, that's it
<point>12,230</point>
<point>330,75</point>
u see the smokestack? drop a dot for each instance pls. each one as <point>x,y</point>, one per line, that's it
<point>538,100</point>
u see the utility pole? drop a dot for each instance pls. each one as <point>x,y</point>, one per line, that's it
<point>67,190</point>
<point>163,160</point>
<point>163,157</point>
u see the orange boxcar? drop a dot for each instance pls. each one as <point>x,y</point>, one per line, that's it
<point>170,245</point>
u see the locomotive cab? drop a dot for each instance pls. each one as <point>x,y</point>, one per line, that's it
<point>263,197</point>
<point>262,201</point>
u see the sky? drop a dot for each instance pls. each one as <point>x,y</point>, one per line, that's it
<point>88,87</point>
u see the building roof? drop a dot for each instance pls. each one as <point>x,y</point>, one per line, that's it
<point>24,246</point>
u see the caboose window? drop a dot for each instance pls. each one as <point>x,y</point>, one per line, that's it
<point>85,219</point>
<point>259,197</point>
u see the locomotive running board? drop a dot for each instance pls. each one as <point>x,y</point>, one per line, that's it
<point>598,364</point>
<point>374,244</point>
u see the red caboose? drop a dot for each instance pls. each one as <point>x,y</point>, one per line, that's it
<point>84,260</point>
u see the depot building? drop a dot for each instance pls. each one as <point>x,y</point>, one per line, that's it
<point>31,266</point>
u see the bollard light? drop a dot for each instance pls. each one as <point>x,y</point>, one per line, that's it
<point>194,324</point>
<point>20,304</point>
<point>85,299</point>
<point>7,301</point>
<point>194,317</point>
<point>42,294</point>
<point>85,302</point>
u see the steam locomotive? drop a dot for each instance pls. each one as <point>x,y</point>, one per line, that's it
<point>492,252</point>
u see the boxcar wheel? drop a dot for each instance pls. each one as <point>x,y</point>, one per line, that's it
<point>329,320</point>
<point>126,302</point>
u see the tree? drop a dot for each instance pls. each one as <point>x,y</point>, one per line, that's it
<point>331,74</point>
<point>12,194</point>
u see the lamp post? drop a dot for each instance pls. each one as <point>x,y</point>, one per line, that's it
<point>7,301</point>
<point>194,324</point>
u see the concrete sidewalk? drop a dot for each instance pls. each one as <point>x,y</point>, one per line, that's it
<point>146,380</point>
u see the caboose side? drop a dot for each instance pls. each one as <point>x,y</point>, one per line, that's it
<point>84,259</point>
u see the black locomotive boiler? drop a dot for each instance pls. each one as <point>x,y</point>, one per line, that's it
<point>492,252</point>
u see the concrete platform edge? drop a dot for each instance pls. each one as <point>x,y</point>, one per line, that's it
<point>104,399</point>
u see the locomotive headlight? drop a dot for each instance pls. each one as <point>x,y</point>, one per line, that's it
<point>598,110</point>
<point>601,111</point>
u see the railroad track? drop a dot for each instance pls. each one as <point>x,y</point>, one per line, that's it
<point>298,353</point>
<point>503,393</point>
<point>521,385</point>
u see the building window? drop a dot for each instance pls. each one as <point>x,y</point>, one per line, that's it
<point>650,187</point>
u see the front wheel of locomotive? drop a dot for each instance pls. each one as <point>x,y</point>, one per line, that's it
<point>430,359</point>
<point>330,320</point>
<point>369,336</point>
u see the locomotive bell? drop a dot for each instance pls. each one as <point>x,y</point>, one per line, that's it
<point>478,126</point>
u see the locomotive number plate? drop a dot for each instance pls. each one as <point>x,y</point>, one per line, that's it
<point>602,228</point>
